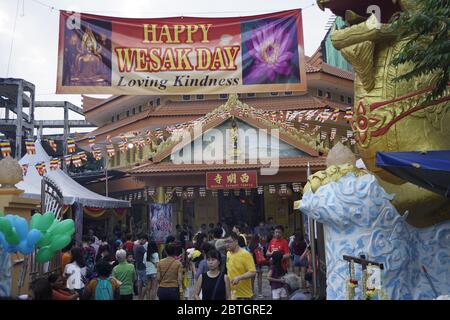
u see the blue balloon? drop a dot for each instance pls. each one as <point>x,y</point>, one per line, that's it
<point>11,219</point>
<point>21,226</point>
<point>33,237</point>
<point>3,242</point>
<point>11,249</point>
<point>25,249</point>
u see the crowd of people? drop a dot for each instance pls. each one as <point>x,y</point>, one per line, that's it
<point>214,263</point>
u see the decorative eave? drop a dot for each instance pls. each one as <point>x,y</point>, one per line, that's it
<point>292,163</point>
<point>235,108</point>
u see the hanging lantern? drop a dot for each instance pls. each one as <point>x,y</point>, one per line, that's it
<point>214,193</point>
<point>179,191</point>
<point>260,190</point>
<point>272,189</point>
<point>190,192</point>
<point>237,192</point>
<point>151,191</point>
<point>139,195</point>
<point>333,134</point>
<point>202,191</point>
<point>349,134</point>
<point>248,192</point>
<point>226,193</point>
<point>296,186</point>
<point>283,190</point>
<point>168,192</point>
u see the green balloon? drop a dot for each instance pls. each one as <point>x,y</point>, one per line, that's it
<point>35,220</point>
<point>45,240</point>
<point>65,227</point>
<point>60,242</point>
<point>53,226</point>
<point>10,233</point>
<point>46,221</point>
<point>44,254</point>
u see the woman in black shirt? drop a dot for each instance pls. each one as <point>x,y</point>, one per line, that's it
<point>214,284</point>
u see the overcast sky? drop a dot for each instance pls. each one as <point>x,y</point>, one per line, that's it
<point>34,41</point>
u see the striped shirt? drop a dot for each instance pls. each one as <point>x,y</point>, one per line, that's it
<point>168,270</point>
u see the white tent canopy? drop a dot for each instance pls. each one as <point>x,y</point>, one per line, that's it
<point>71,190</point>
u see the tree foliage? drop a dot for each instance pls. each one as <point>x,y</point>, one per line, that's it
<point>428,42</point>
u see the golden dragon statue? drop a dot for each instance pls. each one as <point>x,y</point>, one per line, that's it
<point>391,116</point>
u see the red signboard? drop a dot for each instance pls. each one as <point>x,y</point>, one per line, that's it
<point>231,180</point>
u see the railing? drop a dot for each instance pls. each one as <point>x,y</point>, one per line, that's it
<point>38,270</point>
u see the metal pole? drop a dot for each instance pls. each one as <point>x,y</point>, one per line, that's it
<point>311,224</point>
<point>106,176</point>
<point>66,133</point>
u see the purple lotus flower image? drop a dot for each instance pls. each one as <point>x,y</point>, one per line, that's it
<point>270,53</point>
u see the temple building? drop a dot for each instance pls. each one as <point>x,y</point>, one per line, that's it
<point>249,160</point>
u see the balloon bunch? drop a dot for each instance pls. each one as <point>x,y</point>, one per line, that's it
<point>55,234</point>
<point>14,235</point>
<point>47,234</point>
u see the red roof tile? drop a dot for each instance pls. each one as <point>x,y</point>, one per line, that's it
<point>161,167</point>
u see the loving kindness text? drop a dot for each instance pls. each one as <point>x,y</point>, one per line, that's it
<point>178,47</point>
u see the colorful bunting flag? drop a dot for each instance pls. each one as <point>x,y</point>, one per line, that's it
<point>25,169</point>
<point>40,167</point>
<point>82,155</point>
<point>5,148</point>
<point>97,153</point>
<point>92,142</point>
<point>54,164</point>
<point>76,160</point>
<point>70,146</point>
<point>110,150</point>
<point>123,146</point>
<point>52,145</point>
<point>68,159</point>
<point>31,148</point>
<point>335,115</point>
<point>348,114</point>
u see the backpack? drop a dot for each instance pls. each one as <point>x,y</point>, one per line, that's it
<point>259,257</point>
<point>104,289</point>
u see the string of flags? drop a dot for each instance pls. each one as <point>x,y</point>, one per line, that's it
<point>285,119</point>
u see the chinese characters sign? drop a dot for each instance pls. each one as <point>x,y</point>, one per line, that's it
<point>180,55</point>
<point>231,180</point>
